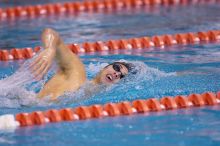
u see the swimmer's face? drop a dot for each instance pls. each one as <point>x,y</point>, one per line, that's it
<point>113,73</point>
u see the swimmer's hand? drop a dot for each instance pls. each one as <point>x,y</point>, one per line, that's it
<point>42,63</point>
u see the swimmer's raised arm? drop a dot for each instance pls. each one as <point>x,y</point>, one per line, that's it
<point>54,47</point>
<point>71,74</point>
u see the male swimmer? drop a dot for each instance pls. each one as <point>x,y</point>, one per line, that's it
<point>71,73</point>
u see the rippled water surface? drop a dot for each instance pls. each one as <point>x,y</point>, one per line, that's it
<point>177,70</point>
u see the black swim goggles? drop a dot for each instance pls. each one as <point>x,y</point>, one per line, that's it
<point>117,68</point>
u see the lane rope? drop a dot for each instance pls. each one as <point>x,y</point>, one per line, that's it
<point>88,6</point>
<point>109,110</point>
<point>147,43</point>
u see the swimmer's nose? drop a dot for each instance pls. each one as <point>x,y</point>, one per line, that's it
<point>117,75</point>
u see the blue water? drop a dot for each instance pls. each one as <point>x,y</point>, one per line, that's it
<point>113,25</point>
<point>199,65</point>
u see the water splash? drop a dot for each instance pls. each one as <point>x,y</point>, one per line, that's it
<point>20,89</point>
<point>131,85</point>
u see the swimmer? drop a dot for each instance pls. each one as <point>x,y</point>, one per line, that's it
<point>71,74</point>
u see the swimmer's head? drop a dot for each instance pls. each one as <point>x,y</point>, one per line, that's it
<point>113,72</point>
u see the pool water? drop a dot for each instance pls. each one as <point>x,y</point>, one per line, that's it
<point>158,76</point>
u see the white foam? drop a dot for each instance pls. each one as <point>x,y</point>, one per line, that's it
<point>13,89</point>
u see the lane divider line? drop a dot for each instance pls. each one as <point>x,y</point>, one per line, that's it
<point>88,6</point>
<point>157,41</point>
<point>123,108</point>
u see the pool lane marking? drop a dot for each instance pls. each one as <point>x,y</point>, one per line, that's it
<point>33,11</point>
<point>124,108</point>
<point>147,43</point>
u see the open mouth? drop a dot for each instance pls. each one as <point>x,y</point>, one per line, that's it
<point>109,77</point>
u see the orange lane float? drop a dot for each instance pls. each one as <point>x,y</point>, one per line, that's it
<point>117,109</point>
<point>133,43</point>
<point>88,6</point>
